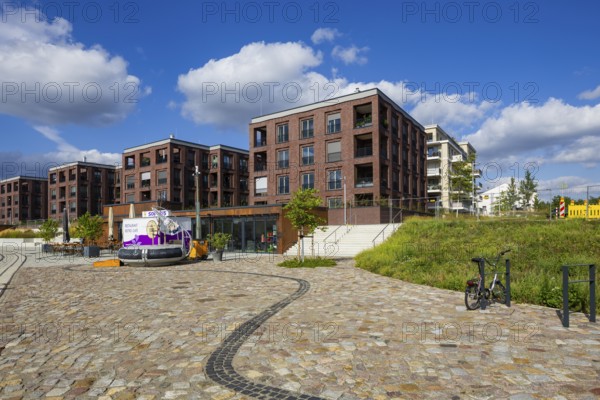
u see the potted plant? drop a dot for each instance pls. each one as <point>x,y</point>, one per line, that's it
<point>48,231</point>
<point>219,241</point>
<point>89,228</point>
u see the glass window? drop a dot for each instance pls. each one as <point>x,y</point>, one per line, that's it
<point>129,198</point>
<point>335,202</point>
<point>334,123</point>
<point>308,155</point>
<point>334,179</point>
<point>260,185</point>
<point>308,180</point>
<point>161,177</point>
<point>334,151</point>
<point>130,181</point>
<point>307,129</point>
<point>283,133</point>
<point>215,161</point>
<point>283,158</point>
<point>283,186</point>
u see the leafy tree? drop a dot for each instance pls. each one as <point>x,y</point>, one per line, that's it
<point>89,227</point>
<point>461,180</point>
<point>300,213</point>
<point>527,188</point>
<point>512,194</point>
<point>49,229</point>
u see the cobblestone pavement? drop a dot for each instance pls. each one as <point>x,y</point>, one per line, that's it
<point>72,331</point>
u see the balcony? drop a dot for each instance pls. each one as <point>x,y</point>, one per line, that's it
<point>456,158</point>
<point>130,186</point>
<point>146,183</point>
<point>366,151</point>
<point>260,167</point>
<point>145,162</point>
<point>161,159</point>
<point>364,181</point>
<point>434,154</point>
<point>434,188</point>
<point>433,171</point>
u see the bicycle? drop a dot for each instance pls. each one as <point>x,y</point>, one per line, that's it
<point>476,289</point>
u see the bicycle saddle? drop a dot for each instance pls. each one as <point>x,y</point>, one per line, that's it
<point>477,260</point>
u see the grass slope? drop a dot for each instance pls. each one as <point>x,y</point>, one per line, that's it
<point>438,253</point>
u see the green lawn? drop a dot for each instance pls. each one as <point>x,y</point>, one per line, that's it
<point>438,253</point>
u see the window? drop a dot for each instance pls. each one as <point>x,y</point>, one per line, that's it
<point>243,165</point>
<point>283,133</point>
<point>260,186</point>
<point>53,208</point>
<point>161,177</point>
<point>308,155</point>
<point>130,182</point>
<point>334,123</point>
<point>130,162</point>
<point>161,156</point>
<point>307,129</point>
<point>73,191</point>
<point>283,186</point>
<point>334,179</point>
<point>214,161</point>
<point>53,194</point>
<point>335,202</point>
<point>308,180</point>
<point>145,177</point>
<point>334,151</point>
<point>129,198</point>
<point>161,195</point>
<point>72,206</point>
<point>283,158</point>
<point>228,161</point>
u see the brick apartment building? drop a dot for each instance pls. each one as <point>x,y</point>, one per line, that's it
<point>82,187</point>
<point>164,171</point>
<point>363,139</point>
<point>23,198</point>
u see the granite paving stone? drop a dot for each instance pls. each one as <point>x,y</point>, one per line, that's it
<point>246,329</point>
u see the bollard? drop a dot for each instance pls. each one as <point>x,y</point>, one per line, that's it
<point>482,273</point>
<point>507,278</point>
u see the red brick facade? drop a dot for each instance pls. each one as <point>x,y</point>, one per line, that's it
<point>382,152</point>
<point>23,198</point>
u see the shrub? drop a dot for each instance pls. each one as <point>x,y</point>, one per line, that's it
<point>308,263</point>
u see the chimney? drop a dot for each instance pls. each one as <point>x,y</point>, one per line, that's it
<point>84,158</point>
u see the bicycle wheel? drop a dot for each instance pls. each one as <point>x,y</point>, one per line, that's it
<point>472,298</point>
<point>499,293</point>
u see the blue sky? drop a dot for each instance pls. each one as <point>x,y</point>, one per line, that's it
<point>520,80</point>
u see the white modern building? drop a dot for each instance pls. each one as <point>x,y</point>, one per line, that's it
<point>489,201</point>
<point>443,151</point>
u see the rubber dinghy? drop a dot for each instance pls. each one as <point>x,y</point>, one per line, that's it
<point>156,239</point>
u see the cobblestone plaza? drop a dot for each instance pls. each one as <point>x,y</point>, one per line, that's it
<point>245,329</point>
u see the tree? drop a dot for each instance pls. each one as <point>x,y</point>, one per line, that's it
<point>49,229</point>
<point>461,181</point>
<point>512,194</point>
<point>527,188</point>
<point>300,213</point>
<point>89,227</point>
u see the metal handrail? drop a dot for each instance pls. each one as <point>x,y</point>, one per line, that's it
<point>332,233</point>
<point>381,232</point>
<point>336,239</point>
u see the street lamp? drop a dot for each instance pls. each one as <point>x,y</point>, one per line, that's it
<point>197,174</point>
<point>345,218</point>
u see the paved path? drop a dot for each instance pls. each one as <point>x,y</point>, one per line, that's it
<point>71,331</point>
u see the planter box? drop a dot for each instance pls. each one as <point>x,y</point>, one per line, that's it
<point>218,255</point>
<point>91,251</point>
<point>47,248</point>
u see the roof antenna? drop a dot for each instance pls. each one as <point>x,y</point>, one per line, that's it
<point>357,90</point>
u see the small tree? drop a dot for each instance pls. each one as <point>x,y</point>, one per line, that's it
<point>527,188</point>
<point>461,180</point>
<point>300,213</point>
<point>89,228</point>
<point>512,194</point>
<point>49,229</point>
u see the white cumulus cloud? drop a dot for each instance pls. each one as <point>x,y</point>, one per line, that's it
<point>590,94</point>
<point>49,78</point>
<point>350,55</point>
<point>324,35</point>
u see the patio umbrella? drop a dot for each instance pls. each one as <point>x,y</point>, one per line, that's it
<point>110,223</point>
<point>131,211</point>
<point>66,237</point>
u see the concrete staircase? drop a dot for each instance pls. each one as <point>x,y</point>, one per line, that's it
<point>340,241</point>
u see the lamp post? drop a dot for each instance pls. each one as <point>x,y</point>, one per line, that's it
<point>197,174</point>
<point>345,218</point>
